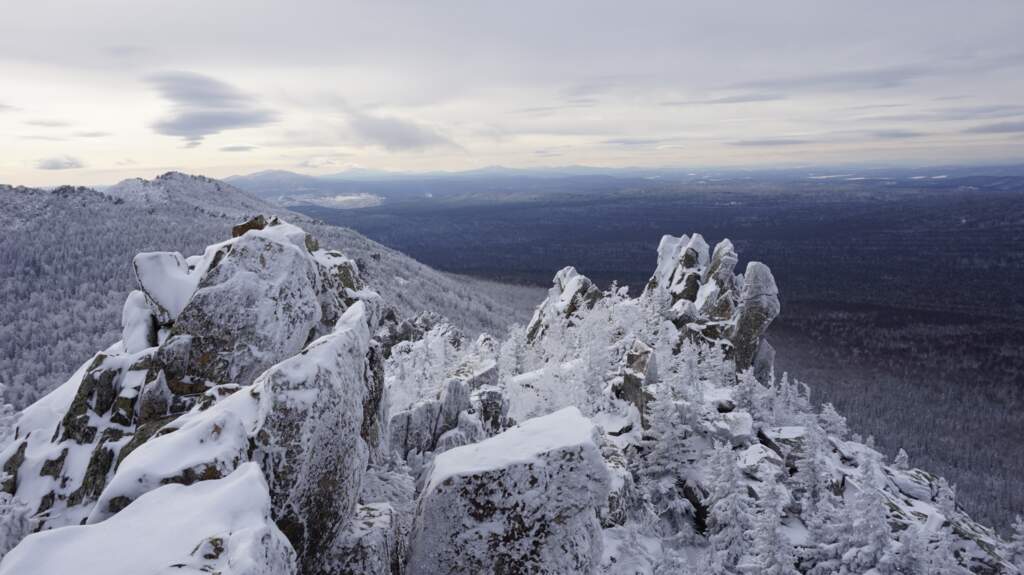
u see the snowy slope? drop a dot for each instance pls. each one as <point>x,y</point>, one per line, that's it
<point>66,267</point>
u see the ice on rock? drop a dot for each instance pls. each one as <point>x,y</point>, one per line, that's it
<point>221,526</point>
<point>523,501</point>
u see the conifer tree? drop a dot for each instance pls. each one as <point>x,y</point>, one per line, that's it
<point>1016,546</point>
<point>773,549</point>
<point>832,422</point>
<point>731,518</point>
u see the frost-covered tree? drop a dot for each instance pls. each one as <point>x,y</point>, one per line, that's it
<point>15,520</point>
<point>731,518</point>
<point>670,453</point>
<point>1016,545</point>
<point>8,419</point>
<point>945,497</point>
<point>832,422</point>
<point>902,460</point>
<point>750,395</point>
<point>812,464</point>
<point>773,550</point>
<point>868,536</point>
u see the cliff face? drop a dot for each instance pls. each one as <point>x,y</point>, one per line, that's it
<point>267,411</point>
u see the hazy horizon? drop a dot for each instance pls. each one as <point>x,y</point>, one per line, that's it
<point>94,94</point>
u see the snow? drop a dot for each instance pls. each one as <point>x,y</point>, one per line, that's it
<point>214,441</point>
<point>137,329</point>
<point>167,281</point>
<point>519,445</point>
<point>167,527</point>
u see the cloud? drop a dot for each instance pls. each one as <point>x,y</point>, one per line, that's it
<point>870,78</point>
<point>954,114</point>
<point>92,134</point>
<point>735,99</point>
<point>997,128</point>
<point>771,142</point>
<point>573,103</point>
<point>45,123</point>
<point>636,141</point>
<point>318,162</point>
<point>895,134</point>
<point>237,148</point>
<point>393,134</point>
<point>203,106</point>
<point>6,107</point>
<point>59,163</point>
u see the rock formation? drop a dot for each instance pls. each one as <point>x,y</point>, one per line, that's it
<point>266,412</point>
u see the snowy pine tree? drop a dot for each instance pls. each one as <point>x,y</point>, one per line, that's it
<point>1016,546</point>
<point>731,518</point>
<point>772,548</point>
<point>832,422</point>
<point>868,536</point>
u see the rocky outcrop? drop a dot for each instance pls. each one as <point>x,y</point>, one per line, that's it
<point>524,501</point>
<point>570,293</point>
<point>269,272</point>
<point>704,298</point>
<point>178,401</point>
<point>637,371</point>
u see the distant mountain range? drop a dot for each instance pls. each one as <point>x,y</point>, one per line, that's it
<point>289,186</point>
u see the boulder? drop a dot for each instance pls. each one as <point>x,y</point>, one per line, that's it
<point>524,501</point>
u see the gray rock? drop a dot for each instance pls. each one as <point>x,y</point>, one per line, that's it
<point>759,305</point>
<point>524,501</point>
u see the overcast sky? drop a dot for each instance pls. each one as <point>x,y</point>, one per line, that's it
<point>93,92</point>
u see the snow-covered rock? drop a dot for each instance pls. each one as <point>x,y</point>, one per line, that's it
<point>209,446</point>
<point>273,277</point>
<point>220,526</point>
<point>524,501</point>
<point>570,293</point>
<point>308,441</point>
<point>166,281</point>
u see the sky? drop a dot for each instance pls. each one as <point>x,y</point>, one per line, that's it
<point>94,92</point>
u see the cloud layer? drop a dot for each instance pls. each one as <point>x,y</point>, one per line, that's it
<point>59,163</point>
<point>202,106</point>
